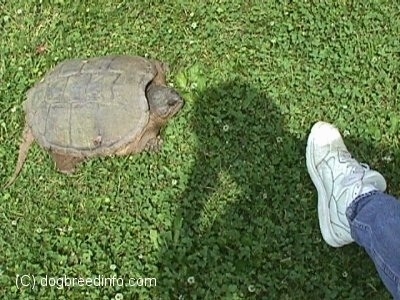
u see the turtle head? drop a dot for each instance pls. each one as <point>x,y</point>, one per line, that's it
<point>164,101</point>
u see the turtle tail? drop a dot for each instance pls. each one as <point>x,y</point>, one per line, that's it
<point>27,140</point>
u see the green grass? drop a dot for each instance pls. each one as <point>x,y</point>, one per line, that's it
<point>226,210</point>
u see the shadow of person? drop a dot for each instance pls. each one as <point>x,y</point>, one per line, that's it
<point>245,227</point>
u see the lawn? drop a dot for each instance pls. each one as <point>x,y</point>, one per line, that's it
<point>226,209</point>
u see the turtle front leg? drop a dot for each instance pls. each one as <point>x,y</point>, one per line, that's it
<point>65,163</point>
<point>154,144</point>
<point>162,69</point>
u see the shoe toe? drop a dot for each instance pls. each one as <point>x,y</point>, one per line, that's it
<point>323,134</point>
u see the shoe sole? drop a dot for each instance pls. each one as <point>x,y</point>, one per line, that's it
<point>323,199</point>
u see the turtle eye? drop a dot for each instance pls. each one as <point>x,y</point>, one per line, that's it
<point>171,102</point>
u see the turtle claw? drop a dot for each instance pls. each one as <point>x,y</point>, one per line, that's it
<point>154,145</point>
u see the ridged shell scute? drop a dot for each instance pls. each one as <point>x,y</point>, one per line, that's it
<point>91,106</point>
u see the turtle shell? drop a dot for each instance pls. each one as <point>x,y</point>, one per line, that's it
<point>91,107</point>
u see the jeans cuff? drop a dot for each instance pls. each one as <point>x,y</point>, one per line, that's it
<point>351,210</point>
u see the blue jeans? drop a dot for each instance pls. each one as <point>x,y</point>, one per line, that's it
<point>375,225</point>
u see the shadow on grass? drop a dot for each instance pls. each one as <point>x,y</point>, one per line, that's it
<point>245,227</point>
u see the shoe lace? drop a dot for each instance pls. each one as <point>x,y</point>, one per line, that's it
<point>355,170</point>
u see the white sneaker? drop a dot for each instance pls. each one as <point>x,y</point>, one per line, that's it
<point>339,179</point>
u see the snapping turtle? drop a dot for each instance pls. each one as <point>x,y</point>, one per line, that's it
<point>97,107</point>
